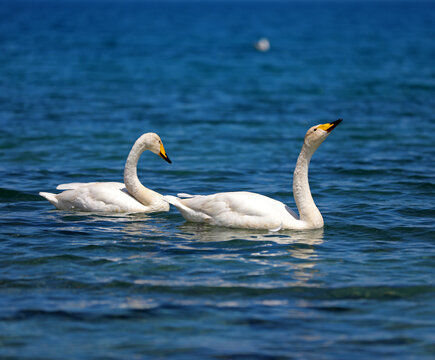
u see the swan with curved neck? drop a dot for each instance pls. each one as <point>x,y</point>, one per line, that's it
<point>115,197</point>
<point>254,211</point>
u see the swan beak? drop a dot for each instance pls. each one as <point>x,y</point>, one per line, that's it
<point>163,155</point>
<point>328,127</point>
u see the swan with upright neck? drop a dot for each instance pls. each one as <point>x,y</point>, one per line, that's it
<point>254,211</point>
<point>115,197</point>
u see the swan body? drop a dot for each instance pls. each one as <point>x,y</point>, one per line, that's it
<point>240,209</point>
<point>254,211</point>
<point>115,197</point>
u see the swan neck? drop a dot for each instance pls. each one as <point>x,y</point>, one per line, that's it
<point>308,211</point>
<point>132,183</point>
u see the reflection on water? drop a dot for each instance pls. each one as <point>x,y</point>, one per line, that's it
<point>128,224</point>
<point>207,233</point>
<point>291,255</point>
<point>297,254</point>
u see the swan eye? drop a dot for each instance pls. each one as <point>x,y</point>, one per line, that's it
<point>315,129</point>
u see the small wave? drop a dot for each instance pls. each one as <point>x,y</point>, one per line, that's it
<point>396,341</point>
<point>8,195</point>
<point>56,259</point>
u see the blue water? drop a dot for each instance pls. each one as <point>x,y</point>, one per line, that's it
<point>79,82</point>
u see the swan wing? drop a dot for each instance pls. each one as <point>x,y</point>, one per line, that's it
<point>99,197</point>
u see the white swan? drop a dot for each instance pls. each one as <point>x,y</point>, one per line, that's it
<point>254,211</point>
<point>115,197</point>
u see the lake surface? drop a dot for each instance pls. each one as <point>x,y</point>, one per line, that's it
<point>79,82</point>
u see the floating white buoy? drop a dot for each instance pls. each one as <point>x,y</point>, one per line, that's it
<point>262,45</point>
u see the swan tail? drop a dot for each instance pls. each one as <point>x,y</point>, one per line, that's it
<point>188,213</point>
<point>71,186</point>
<point>173,200</point>
<point>50,197</point>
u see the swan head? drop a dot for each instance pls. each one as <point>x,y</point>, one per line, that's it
<point>153,143</point>
<point>317,134</point>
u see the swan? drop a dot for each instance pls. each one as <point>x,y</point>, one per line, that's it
<point>115,197</point>
<point>254,211</point>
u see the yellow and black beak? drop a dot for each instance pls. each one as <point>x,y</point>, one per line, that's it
<point>328,127</point>
<point>163,155</point>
